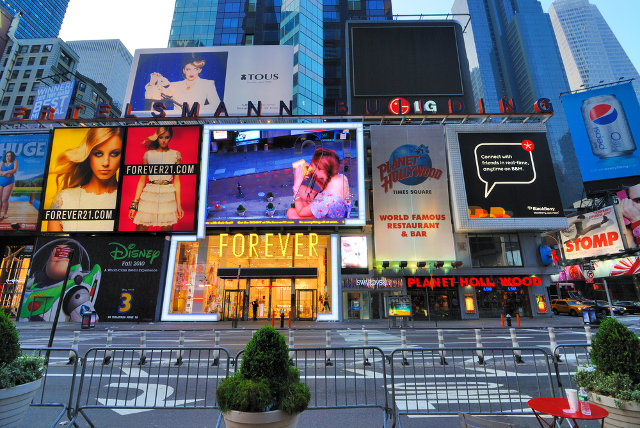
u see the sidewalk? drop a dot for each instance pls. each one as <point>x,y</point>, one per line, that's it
<point>555,321</point>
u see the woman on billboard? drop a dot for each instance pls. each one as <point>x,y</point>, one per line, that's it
<point>86,176</point>
<point>190,90</point>
<point>157,202</point>
<point>333,200</point>
<point>7,181</point>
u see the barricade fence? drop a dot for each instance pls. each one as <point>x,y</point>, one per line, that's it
<point>342,377</point>
<point>59,375</point>
<point>445,381</point>
<point>169,378</point>
<point>567,359</point>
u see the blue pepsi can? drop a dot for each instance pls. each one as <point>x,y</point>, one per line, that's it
<point>607,127</point>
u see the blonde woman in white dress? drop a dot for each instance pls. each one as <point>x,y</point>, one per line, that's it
<point>87,179</point>
<point>157,202</point>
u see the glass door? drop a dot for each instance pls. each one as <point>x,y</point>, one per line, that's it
<point>281,296</point>
<point>306,304</point>
<point>259,298</point>
<point>233,302</point>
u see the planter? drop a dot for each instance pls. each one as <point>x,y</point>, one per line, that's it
<point>241,213</point>
<point>273,419</point>
<point>14,403</point>
<point>628,416</point>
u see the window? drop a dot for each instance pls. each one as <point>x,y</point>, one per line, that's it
<point>18,101</point>
<point>65,58</point>
<point>23,87</point>
<point>47,48</point>
<point>2,113</point>
<point>19,61</point>
<point>23,49</point>
<point>31,60</point>
<point>35,86</point>
<point>35,49</point>
<point>43,60</point>
<point>4,63</point>
<point>26,74</point>
<point>495,250</point>
<point>94,96</point>
<point>11,87</point>
<point>5,101</point>
<point>82,86</point>
<point>30,100</point>
<point>39,73</point>
<point>14,74</point>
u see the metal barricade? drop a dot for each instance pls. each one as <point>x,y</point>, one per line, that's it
<point>58,383</point>
<point>568,357</point>
<point>339,378</point>
<point>445,381</point>
<point>171,378</point>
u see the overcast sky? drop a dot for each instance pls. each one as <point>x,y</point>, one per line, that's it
<point>146,23</point>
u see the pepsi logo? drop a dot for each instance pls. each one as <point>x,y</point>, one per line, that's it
<point>603,114</point>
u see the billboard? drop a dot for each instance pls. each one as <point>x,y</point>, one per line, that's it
<point>24,158</point>
<point>160,179</point>
<point>209,76</point>
<point>503,178</point>
<point>288,176</point>
<point>605,129</point>
<point>592,234</point>
<point>410,194</point>
<point>629,200</point>
<point>354,254</point>
<point>56,96</point>
<point>118,277</point>
<point>424,61</point>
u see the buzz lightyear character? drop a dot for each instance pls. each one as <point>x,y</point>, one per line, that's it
<point>42,290</point>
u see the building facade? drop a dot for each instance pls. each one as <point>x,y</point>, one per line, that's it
<point>39,18</point>
<point>107,62</point>
<point>590,51</point>
<point>517,57</point>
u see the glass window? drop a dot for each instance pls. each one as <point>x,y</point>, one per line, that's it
<point>19,61</point>
<point>11,87</point>
<point>2,113</point>
<point>31,60</point>
<point>47,48</point>
<point>23,86</point>
<point>39,72</point>
<point>30,100</point>
<point>18,101</point>
<point>495,250</point>
<point>23,49</point>
<point>82,86</point>
<point>14,74</point>
<point>5,101</point>
<point>43,60</point>
<point>35,86</point>
<point>26,74</point>
<point>35,49</point>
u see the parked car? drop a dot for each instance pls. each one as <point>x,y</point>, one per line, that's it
<point>567,306</point>
<point>602,307</point>
<point>629,306</point>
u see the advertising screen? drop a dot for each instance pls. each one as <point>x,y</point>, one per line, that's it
<point>21,178</point>
<point>82,181</point>
<point>232,75</point>
<point>354,252</point>
<point>55,96</point>
<point>117,277</point>
<point>411,194</point>
<point>592,234</point>
<point>399,306</point>
<point>160,179</point>
<point>629,200</point>
<point>508,175</point>
<point>605,129</point>
<point>286,179</point>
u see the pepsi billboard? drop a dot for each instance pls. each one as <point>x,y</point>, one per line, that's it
<point>605,129</point>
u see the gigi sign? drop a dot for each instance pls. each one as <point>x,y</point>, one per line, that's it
<point>269,244</point>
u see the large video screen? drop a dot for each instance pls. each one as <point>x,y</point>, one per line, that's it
<point>289,176</point>
<point>24,158</point>
<point>605,129</point>
<point>233,75</point>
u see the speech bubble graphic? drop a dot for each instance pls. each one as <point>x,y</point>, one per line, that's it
<point>504,163</point>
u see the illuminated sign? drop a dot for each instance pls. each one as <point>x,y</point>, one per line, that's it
<point>269,245</point>
<point>474,281</point>
<point>372,283</point>
<point>592,234</point>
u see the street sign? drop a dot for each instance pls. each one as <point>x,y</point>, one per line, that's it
<point>588,276</point>
<point>588,266</point>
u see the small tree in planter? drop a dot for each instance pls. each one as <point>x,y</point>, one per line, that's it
<point>614,381</point>
<point>241,209</point>
<point>267,388</point>
<point>270,196</point>
<point>20,375</point>
<point>271,209</point>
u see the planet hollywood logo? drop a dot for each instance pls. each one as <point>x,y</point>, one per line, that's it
<point>408,164</point>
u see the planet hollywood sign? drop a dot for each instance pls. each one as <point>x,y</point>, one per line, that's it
<point>474,281</point>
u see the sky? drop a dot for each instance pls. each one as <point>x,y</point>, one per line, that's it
<point>146,23</point>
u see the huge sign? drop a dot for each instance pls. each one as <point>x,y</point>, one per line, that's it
<point>473,281</point>
<point>624,266</point>
<point>54,96</point>
<point>592,234</point>
<point>21,175</point>
<point>156,187</point>
<point>432,60</point>
<point>118,277</point>
<point>225,78</point>
<point>285,175</point>
<point>605,129</point>
<point>410,194</point>
<point>500,177</point>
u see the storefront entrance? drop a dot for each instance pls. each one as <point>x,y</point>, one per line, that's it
<point>233,304</point>
<point>306,304</point>
<point>13,274</point>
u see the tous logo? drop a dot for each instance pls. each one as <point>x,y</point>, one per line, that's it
<point>256,77</point>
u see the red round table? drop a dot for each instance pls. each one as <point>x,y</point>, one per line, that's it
<point>556,407</point>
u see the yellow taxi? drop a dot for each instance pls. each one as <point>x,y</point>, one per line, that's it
<point>567,306</point>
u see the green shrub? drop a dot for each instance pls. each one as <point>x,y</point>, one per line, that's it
<point>616,385</point>
<point>267,380</point>
<point>10,340</point>
<point>615,349</point>
<point>24,369</point>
